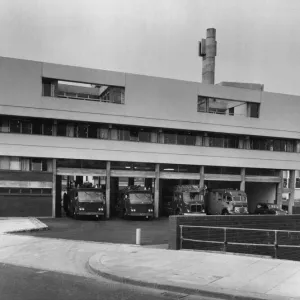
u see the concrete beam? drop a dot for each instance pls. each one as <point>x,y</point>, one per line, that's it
<point>80,172</point>
<point>107,189</point>
<point>179,175</point>
<point>156,192</point>
<point>222,177</point>
<point>274,179</point>
<point>132,174</point>
<point>53,187</point>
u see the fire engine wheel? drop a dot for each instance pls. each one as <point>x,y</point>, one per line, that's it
<point>177,211</point>
<point>225,212</point>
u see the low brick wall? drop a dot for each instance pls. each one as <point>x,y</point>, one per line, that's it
<point>289,222</point>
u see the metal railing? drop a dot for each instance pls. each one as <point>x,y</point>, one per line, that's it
<point>225,241</point>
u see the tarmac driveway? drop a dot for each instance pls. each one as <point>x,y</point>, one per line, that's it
<point>110,231</point>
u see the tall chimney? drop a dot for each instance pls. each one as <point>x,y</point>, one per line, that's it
<point>208,51</point>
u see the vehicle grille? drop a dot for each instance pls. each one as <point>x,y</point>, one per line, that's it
<point>196,208</point>
<point>141,208</point>
<point>92,207</point>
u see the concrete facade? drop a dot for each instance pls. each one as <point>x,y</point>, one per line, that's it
<point>149,102</point>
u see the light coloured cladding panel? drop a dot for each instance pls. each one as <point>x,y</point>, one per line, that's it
<point>133,174</point>
<point>85,75</point>
<point>25,184</point>
<point>75,148</point>
<point>80,172</point>
<point>179,175</point>
<point>222,177</point>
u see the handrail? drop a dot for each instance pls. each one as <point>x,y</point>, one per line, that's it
<point>225,240</point>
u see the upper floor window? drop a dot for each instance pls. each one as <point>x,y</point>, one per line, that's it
<point>227,107</point>
<point>83,91</point>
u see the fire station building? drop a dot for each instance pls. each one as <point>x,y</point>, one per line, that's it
<point>115,128</point>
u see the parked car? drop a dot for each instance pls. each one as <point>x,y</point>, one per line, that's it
<point>269,208</point>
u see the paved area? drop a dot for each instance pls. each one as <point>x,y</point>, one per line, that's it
<point>186,271</point>
<point>8,225</point>
<point>43,268</point>
<point>111,231</point>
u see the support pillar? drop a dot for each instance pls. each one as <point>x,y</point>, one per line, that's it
<point>53,187</point>
<point>243,180</point>
<point>279,189</point>
<point>201,183</point>
<point>292,190</point>
<point>297,146</point>
<point>247,142</point>
<point>107,189</point>
<point>156,192</point>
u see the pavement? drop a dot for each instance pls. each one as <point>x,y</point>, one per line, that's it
<point>11,225</point>
<point>219,275</point>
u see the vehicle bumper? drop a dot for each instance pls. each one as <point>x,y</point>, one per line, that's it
<point>84,213</point>
<point>137,214</point>
<point>194,214</point>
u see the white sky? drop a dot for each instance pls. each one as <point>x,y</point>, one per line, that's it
<point>258,40</point>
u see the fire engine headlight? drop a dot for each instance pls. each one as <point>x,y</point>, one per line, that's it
<point>133,209</point>
<point>187,210</point>
<point>81,208</point>
<point>100,208</point>
<point>150,209</point>
<point>236,209</point>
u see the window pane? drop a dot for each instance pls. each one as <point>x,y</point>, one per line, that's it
<point>202,104</point>
<point>14,163</point>
<point>15,126</point>
<point>254,110</point>
<point>4,162</point>
<point>144,136</point>
<point>92,131</point>
<point>61,129</point>
<point>26,127</point>
<point>47,89</point>
<point>169,137</point>
<point>82,130</point>
<point>36,164</point>
<point>37,127</point>
<point>48,127</point>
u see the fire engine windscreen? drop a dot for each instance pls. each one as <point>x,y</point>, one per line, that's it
<point>140,198</point>
<point>86,196</point>
<point>191,197</point>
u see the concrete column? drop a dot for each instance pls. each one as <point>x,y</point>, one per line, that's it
<point>161,137</point>
<point>292,189</point>
<point>279,189</point>
<point>53,187</point>
<point>54,128</point>
<point>156,192</point>
<point>201,183</point>
<point>243,181</point>
<point>108,189</point>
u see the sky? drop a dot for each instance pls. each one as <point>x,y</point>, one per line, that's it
<point>258,40</point>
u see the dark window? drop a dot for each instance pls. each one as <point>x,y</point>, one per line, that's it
<point>231,111</point>
<point>36,164</point>
<point>47,191</point>
<point>254,110</point>
<point>82,130</point>
<point>92,131</point>
<point>297,183</point>
<point>36,191</point>
<point>37,127</point>
<point>26,127</point>
<point>15,126</point>
<point>61,129</point>
<point>170,137</point>
<point>48,127</point>
<point>46,87</point>
<point>25,191</point>
<point>144,135</point>
<point>15,190</point>
<point>202,104</point>
<point>134,134</point>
